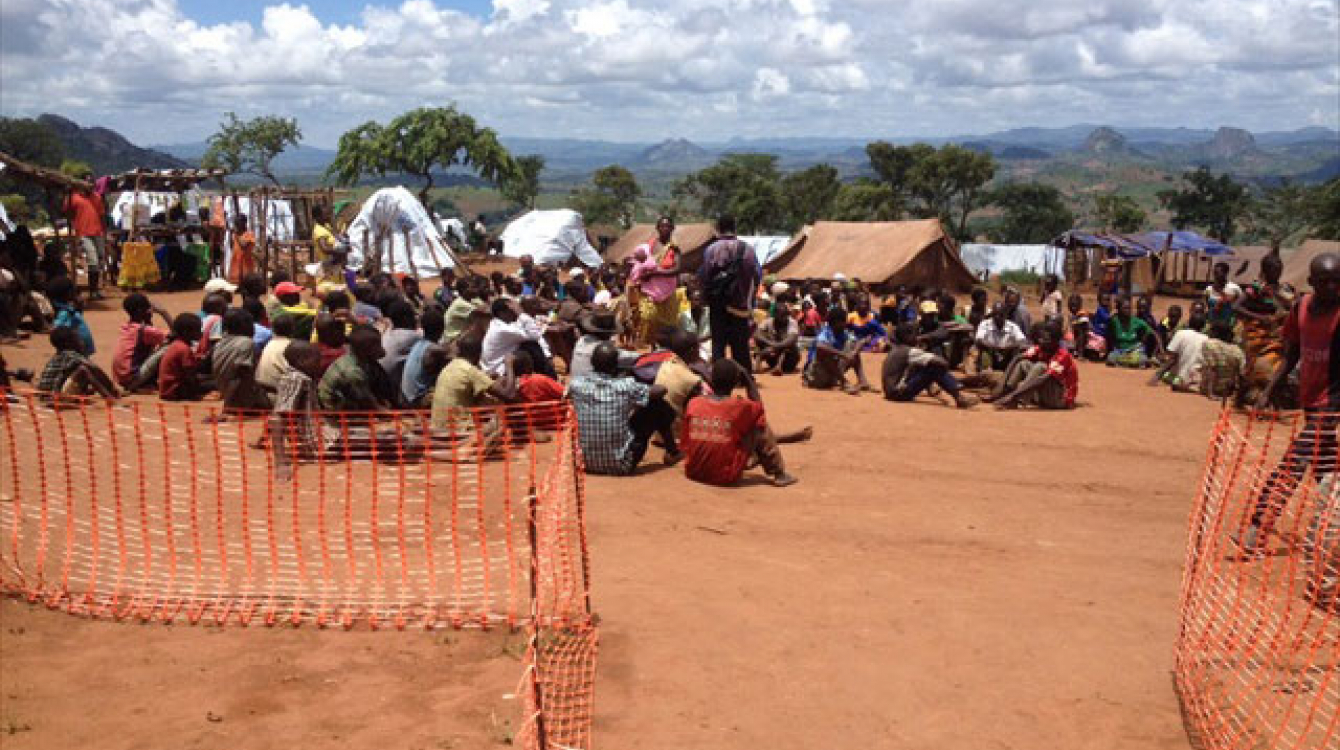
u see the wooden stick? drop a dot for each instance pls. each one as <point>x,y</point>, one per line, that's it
<point>428,241</point>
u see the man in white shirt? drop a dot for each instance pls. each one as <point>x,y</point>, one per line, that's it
<point>504,336</point>
<point>1181,370</point>
<point>998,339</point>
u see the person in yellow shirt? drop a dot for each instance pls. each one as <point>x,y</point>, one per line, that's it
<point>322,238</point>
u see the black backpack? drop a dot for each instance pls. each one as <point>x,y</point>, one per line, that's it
<point>724,280</point>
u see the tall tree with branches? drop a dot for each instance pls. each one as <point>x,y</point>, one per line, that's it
<point>419,143</point>
<point>250,146</point>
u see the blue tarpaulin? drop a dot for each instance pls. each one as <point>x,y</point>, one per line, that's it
<point>1188,242</point>
<point>1131,246</point>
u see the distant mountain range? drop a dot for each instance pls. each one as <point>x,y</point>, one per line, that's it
<point>1310,154</point>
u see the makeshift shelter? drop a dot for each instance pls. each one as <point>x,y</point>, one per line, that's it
<point>1145,257</point>
<point>986,260</point>
<point>881,254</point>
<point>552,238</point>
<point>767,248</point>
<point>147,204</point>
<point>1298,263</point>
<point>691,238</point>
<point>394,233</point>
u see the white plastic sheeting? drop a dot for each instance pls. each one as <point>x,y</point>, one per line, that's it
<point>1040,259</point>
<point>147,204</point>
<point>767,248</point>
<point>454,229</point>
<point>278,217</point>
<point>552,238</point>
<point>390,216</point>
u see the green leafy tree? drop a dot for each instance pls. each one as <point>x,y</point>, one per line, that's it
<point>251,145</point>
<point>894,165</point>
<point>1033,213</point>
<point>76,169</point>
<point>1282,212</point>
<point>1118,213</point>
<point>1324,210</point>
<point>950,183</point>
<point>523,186</point>
<point>744,185</point>
<point>611,198</point>
<point>622,187</point>
<point>808,195</point>
<point>1213,203</point>
<point>419,143</point>
<point>864,200</point>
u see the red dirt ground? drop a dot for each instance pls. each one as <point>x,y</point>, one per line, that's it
<point>938,579</point>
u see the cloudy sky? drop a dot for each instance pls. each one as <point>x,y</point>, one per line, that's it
<point>162,71</point>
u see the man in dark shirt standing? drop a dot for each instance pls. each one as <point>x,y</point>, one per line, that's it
<point>730,275</point>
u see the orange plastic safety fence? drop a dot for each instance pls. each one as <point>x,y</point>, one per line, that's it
<point>559,688</point>
<point>157,511</point>
<point>1258,652</point>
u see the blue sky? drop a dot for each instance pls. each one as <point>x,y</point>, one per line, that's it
<point>165,71</point>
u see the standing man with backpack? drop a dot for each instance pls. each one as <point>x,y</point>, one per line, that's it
<point>730,275</point>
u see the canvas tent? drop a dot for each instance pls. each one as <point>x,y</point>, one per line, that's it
<point>691,238</point>
<point>1297,263</point>
<point>392,225</point>
<point>552,238</point>
<point>883,254</point>
<point>767,248</point>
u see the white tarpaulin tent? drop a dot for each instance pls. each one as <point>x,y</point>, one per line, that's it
<point>767,248</point>
<point>1040,259</point>
<point>552,238</point>
<point>391,218</point>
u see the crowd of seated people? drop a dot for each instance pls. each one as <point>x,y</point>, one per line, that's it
<point>639,350</point>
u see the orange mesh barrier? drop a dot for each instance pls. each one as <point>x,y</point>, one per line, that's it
<point>1259,644</point>
<point>175,512</point>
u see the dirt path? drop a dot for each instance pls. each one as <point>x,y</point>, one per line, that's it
<point>937,579</point>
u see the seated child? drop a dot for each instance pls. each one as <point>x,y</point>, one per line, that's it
<point>179,377</point>
<point>69,372</point>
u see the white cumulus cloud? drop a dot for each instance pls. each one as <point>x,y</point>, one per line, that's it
<point>651,69</point>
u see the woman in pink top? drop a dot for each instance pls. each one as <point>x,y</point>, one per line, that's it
<point>656,276</point>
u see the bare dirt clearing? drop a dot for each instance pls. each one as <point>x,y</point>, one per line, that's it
<point>937,579</point>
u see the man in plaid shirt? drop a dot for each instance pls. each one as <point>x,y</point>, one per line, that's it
<point>616,416</point>
<point>71,373</point>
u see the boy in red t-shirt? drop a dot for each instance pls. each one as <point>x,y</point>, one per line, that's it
<point>721,433</point>
<point>538,388</point>
<point>1312,333</point>
<point>138,339</point>
<point>179,372</point>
